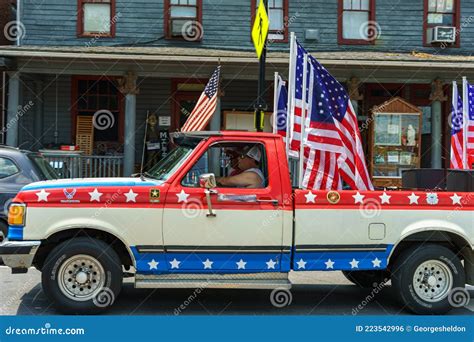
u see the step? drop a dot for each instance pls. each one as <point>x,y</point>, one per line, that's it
<point>214,281</point>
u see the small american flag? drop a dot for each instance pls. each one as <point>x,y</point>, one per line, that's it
<point>205,107</point>
<point>280,112</point>
<point>470,120</point>
<point>458,160</point>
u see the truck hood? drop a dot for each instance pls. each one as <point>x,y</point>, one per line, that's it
<point>91,182</point>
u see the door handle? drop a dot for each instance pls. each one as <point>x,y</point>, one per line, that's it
<point>268,200</point>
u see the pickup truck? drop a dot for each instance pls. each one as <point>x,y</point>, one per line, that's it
<point>174,226</point>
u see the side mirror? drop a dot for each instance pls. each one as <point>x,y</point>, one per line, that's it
<point>207,181</point>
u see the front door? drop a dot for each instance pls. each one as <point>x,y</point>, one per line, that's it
<point>244,236</point>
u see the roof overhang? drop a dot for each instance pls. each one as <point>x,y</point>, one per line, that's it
<point>212,56</point>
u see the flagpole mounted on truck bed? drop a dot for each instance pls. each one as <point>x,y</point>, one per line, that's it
<point>259,38</point>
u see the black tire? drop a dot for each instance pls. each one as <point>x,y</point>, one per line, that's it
<point>3,229</point>
<point>367,279</point>
<point>404,283</point>
<point>103,296</point>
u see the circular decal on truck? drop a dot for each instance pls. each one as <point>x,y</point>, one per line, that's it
<point>333,197</point>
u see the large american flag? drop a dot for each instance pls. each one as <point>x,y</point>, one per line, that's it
<point>470,121</point>
<point>332,142</point>
<point>458,160</point>
<point>205,107</point>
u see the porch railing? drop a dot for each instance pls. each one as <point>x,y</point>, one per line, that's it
<point>76,165</point>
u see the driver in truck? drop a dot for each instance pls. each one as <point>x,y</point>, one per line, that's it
<point>251,175</point>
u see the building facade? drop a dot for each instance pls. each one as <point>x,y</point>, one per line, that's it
<point>133,58</point>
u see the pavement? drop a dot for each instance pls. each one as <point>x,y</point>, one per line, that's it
<point>314,293</point>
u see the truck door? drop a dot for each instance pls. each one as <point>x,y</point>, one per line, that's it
<point>244,231</point>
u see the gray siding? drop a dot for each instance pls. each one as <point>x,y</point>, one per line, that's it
<point>227,25</point>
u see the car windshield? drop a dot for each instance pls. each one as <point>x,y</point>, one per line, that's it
<point>168,165</point>
<point>45,170</point>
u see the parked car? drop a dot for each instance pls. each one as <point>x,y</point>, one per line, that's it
<point>18,168</point>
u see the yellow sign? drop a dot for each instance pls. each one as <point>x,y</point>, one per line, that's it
<point>260,29</point>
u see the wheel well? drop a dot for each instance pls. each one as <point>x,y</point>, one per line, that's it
<point>115,243</point>
<point>452,241</point>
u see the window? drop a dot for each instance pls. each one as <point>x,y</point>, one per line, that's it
<point>441,13</point>
<point>277,11</point>
<point>96,18</point>
<point>93,95</point>
<point>356,21</point>
<point>223,160</point>
<point>183,19</point>
<point>7,168</point>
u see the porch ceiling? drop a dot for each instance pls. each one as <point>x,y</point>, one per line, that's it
<point>181,62</point>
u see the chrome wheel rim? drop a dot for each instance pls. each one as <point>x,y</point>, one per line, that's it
<point>432,281</point>
<point>81,277</point>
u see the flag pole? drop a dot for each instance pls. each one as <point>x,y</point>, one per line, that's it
<point>291,86</point>
<point>275,103</point>
<point>303,120</point>
<point>465,118</point>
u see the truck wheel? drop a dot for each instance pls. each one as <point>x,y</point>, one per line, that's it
<point>82,276</point>
<point>3,230</point>
<point>424,277</point>
<point>367,279</point>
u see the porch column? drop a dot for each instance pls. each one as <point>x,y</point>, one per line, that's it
<point>128,87</point>
<point>355,96</point>
<point>11,124</point>
<point>436,97</point>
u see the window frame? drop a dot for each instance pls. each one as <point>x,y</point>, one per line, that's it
<point>80,19</point>
<point>456,23</point>
<point>74,103</point>
<point>264,155</point>
<point>18,169</point>
<point>340,27</point>
<point>167,17</point>
<point>253,10</point>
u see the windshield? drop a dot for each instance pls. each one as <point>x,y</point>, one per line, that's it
<point>168,165</point>
<point>45,170</point>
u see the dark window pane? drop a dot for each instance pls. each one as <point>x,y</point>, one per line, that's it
<point>113,103</point>
<point>82,103</point>
<point>92,102</point>
<point>82,86</point>
<point>103,87</point>
<point>103,102</point>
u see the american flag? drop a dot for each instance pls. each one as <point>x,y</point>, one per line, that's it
<point>205,107</point>
<point>458,160</point>
<point>469,93</point>
<point>296,105</point>
<point>280,111</point>
<point>333,146</point>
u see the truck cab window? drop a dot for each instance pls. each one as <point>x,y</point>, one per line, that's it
<point>241,165</point>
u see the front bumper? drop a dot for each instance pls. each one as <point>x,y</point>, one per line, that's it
<point>18,255</point>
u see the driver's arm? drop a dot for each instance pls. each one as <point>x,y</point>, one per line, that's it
<point>242,180</point>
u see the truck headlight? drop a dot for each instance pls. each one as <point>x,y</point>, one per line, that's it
<point>16,214</point>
